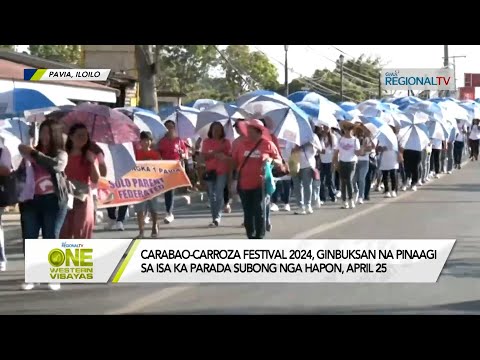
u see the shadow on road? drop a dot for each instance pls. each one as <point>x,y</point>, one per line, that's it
<point>456,187</point>
<point>462,268</point>
<point>458,308</point>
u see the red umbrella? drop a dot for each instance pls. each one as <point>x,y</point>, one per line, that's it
<point>105,125</point>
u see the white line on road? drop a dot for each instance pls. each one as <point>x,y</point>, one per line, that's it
<point>146,301</point>
<point>325,227</point>
<point>164,294</point>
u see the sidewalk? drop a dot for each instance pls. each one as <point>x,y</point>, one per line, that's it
<point>11,220</point>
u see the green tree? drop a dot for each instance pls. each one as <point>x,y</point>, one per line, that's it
<point>360,80</point>
<point>69,54</point>
<point>239,64</point>
<point>7,47</point>
<point>181,67</point>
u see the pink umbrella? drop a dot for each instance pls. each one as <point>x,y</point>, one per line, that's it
<point>105,125</point>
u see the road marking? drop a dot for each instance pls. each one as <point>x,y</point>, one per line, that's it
<point>325,227</point>
<point>157,297</point>
<point>154,298</point>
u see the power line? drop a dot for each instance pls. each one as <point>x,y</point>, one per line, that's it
<point>343,52</point>
<point>246,82</point>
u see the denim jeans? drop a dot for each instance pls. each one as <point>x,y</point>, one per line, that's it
<point>120,215</point>
<point>2,238</point>
<point>346,171</point>
<point>216,190</point>
<point>169,201</point>
<point>282,191</point>
<point>62,214</point>
<point>449,155</point>
<point>303,187</point>
<point>254,212</point>
<point>458,147</point>
<point>326,182</point>
<point>360,176</point>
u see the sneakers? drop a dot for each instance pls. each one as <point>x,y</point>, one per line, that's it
<point>146,219</point>
<point>169,218</point>
<point>120,226</point>
<point>301,211</point>
<point>352,203</point>
<point>404,188</point>
<point>286,207</point>
<point>309,209</point>
<point>54,287</point>
<point>28,286</point>
<point>388,194</point>
<point>3,266</point>
<point>274,207</point>
<point>318,204</point>
<point>110,224</point>
<point>346,205</point>
<point>360,201</point>
<point>449,172</point>
<point>414,188</point>
<point>227,209</point>
<point>394,194</point>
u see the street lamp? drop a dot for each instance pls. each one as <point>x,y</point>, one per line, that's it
<point>285,47</point>
<point>341,77</point>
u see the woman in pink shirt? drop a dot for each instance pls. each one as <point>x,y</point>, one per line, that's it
<point>82,172</point>
<point>45,211</point>
<point>171,147</point>
<point>249,157</point>
<point>216,151</point>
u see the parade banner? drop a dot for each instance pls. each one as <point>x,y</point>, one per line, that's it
<point>147,180</point>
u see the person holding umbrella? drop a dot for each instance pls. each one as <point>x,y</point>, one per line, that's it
<point>250,156</point>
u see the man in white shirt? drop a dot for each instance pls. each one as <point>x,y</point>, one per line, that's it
<point>474,140</point>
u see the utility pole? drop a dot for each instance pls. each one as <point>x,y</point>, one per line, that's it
<point>285,47</point>
<point>454,66</point>
<point>445,55</point>
<point>379,85</point>
<point>341,77</point>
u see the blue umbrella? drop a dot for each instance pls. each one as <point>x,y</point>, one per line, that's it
<point>223,113</point>
<point>414,135</point>
<point>146,120</point>
<point>202,104</point>
<point>433,110</point>
<point>348,105</point>
<point>282,117</point>
<point>381,131</point>
<point>313,97</point>
<point>319,114</point>
<point>119,159</point>
<point>19,100</point>
<point>404,102</point>
<point>17,127</point>
<point>166,111</point>
<point>438,131</point>
<point>473,109</point>
<point>185,119</point>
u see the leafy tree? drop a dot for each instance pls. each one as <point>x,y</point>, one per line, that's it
<point>7,47</point>
<point>181,67</point>
<point>69,54</point>
<point>240,64</point>
<point>360,80</point>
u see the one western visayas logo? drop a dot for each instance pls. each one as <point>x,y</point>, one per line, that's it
<point>71,262</point>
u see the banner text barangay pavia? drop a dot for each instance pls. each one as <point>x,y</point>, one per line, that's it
<point>418,79</point>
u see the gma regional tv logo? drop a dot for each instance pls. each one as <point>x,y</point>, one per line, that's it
<point>72,261</point>
<point>418,79</point>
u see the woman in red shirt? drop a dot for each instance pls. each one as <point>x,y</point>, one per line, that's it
<point>171,147</point>
<point>216,151</point>
<point>82,172</point>
<point>250,156</point>
<point>145,152</point>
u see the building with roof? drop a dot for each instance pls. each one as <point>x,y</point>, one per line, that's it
<point>12,65</point>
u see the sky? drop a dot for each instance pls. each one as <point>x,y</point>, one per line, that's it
<point>304,59</point>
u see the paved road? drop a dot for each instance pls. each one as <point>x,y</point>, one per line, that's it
<point>445,208</point>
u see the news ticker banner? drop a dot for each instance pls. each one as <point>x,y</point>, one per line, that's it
<point>147,180</point>
<point>65,74</point>
<point>418,79</point>
<point>235,261</point>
